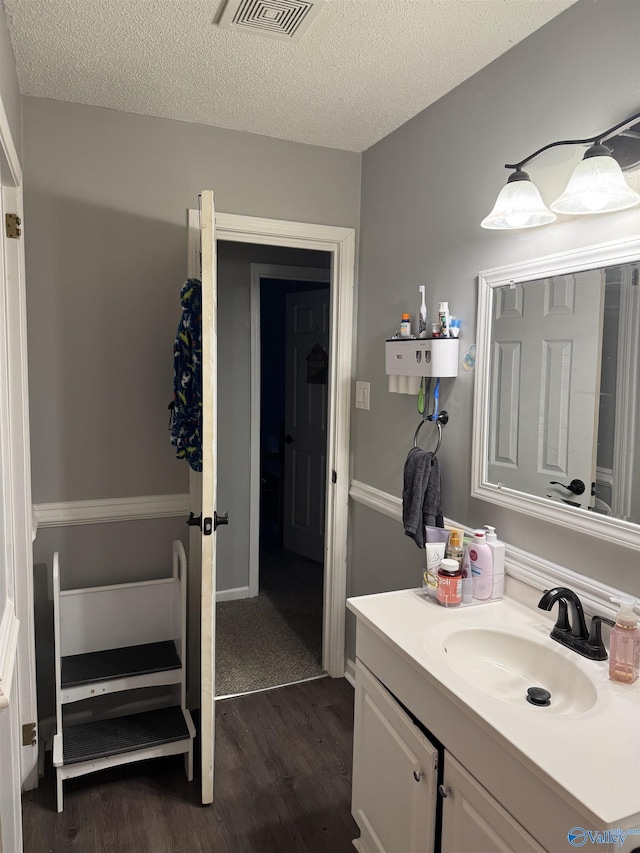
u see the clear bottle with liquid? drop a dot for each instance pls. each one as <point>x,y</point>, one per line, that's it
<point>454,548</point>
<point>624,644</point>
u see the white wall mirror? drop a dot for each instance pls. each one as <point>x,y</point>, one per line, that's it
<point>557,393</point>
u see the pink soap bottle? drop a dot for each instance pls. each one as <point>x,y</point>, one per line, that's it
<point>624,644</point>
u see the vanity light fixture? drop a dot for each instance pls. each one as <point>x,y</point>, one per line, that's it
<point>597,185</point>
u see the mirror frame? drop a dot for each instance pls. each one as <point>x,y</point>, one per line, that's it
<point>613,530</point>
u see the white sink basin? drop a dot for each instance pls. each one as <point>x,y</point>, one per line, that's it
<point>504,665</point>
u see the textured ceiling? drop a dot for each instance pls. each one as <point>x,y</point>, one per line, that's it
<point>362,69</point>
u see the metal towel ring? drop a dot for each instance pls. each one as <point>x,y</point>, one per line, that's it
<point>441,419</point>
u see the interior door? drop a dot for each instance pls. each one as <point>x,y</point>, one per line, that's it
<point>208,482</point>
<point>305,422</point>
<point>546,372</point>
<point>10,781</point>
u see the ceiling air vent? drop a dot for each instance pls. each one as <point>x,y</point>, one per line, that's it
<point>281,19</point>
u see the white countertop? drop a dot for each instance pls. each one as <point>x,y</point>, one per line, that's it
<point>594,756</point>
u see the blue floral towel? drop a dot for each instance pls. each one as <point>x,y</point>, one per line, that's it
<point>186,406</point>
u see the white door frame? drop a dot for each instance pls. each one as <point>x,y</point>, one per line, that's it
<point>340,242</point>
<point>17,632</point>
<point>625,476</point>
<point>258,272</point>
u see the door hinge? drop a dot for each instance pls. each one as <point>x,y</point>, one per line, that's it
<point>29,734</point>
<point>11,223</point>
<point>334,477</point>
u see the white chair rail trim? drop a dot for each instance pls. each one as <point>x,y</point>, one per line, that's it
<point>65,513</point>
<point>535,572</point>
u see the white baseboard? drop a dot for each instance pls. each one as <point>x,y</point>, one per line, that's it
<point>66,513</point>
<point>232,594</point>
<point>350,672</point>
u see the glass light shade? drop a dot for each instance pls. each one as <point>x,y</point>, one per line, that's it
<point>597,185</point>
<point>519,205</point>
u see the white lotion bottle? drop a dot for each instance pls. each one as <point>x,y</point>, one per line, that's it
<point>481,558</point>
<point>498,550</point>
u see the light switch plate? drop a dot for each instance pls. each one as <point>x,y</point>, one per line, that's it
<point>362,395</point>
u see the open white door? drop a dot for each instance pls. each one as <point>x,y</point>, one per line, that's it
<point>18,711</point>
<point>208,496</point>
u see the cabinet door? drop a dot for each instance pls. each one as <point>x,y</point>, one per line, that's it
<point>394,774</point>
<point>474,822</point>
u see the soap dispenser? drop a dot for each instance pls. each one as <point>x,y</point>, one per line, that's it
<point>624,644</point>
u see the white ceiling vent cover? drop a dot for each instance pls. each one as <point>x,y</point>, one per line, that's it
<point>281,19</point>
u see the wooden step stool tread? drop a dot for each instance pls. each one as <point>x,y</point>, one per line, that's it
<point>115,663</point>
<point>101,738</point>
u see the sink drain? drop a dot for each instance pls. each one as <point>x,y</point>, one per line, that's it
<point>538,696</point>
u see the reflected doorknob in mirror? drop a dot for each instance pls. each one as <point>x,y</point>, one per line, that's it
<point>575,486</point>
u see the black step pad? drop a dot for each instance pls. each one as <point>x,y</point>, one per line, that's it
<point>118,735</point>
<point>115,663</point>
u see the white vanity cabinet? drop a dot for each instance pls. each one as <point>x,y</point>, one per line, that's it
<point>395,778</point>
<point>395,769</point>
<point>474,821</point>
<point>516,780</point>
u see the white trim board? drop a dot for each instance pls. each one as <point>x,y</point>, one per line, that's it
<point>533,571</point>
<point>232,594</point>
<point>65,513</point>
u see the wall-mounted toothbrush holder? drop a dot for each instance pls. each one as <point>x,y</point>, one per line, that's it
<point>422,357</point>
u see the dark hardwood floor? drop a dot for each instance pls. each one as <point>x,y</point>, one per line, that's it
<point>282,785</point>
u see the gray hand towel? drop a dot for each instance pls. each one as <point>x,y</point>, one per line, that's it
<point>421,501</point>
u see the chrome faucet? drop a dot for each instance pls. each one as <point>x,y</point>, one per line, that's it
<point>574,634</point>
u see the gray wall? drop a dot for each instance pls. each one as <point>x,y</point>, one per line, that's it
<point>106,195</point>
<point>9,90</point>
<point>425,189</point>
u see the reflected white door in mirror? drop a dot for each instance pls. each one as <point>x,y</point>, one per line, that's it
<point>557,393</point>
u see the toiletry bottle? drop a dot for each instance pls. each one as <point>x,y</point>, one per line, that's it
<point>443,315</point>
<point>498,551</point>
<point>422,322</point>
<point>467,577</point>
<point>624,644</point>
<point>449,592</point>
<point>481,560</point>
<point>454,548</point>
<point>405,326</point>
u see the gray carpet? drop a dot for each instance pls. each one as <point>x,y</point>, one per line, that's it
<point>276,637</point>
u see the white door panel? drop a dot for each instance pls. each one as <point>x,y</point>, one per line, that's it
<point>306,401</point>
<point>208,483</point>
<point>540,388</point>
<point>17,645</point>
